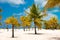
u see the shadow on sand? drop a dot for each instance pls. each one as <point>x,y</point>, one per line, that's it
<point>55,38</point>
<point>1,32</point>
<point>35,34</point>
<point>14,37</point>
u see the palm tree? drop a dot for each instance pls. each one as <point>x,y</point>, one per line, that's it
<point>0,20</point>
<point>52,3</point>
<point>0,17</point>
<point>34,14</point>
<point>25,22</point>
<point>7,28</point>
<point>52,23</point>
<point>47,24</point>
<point>13,21</point>
<point>28,22</point>
<point>22,18</point>
<point>0,24</point>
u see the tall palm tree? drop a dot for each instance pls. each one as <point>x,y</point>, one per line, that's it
<point>13,21</point>
<point>34,14</point>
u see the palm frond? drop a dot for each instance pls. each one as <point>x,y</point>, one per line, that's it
<point>27,12</point>
<point>52,3</point>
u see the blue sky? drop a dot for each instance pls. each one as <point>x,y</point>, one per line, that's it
<point>9,9</point>
<point>17,7</point>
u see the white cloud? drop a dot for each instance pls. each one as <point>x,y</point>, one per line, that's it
<point>17,2</point>
<point>17,14</point>
<point>49,16</point>
<point>42,3</point>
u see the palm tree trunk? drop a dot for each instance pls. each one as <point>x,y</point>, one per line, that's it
<point>29,28</point>
<point>24,29</point>
<point>35,28</point>
<point>12,31</point>
<point>7,28</point>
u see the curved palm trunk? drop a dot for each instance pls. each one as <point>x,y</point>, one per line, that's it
<point>12,31</point>
<point>35,28</point>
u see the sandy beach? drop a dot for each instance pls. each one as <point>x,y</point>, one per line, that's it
<point>29,35</point>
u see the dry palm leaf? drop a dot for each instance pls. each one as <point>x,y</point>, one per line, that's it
<point>52,3</point>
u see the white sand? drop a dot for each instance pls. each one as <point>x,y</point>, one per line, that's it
<point>29,35</point>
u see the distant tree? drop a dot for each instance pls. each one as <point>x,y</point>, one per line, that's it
<point>7,28</point>
<point>47,25</point>
<point>52,23</point>
<point>25,22</point>
<point>13,21</point>
<point>0,17</point>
